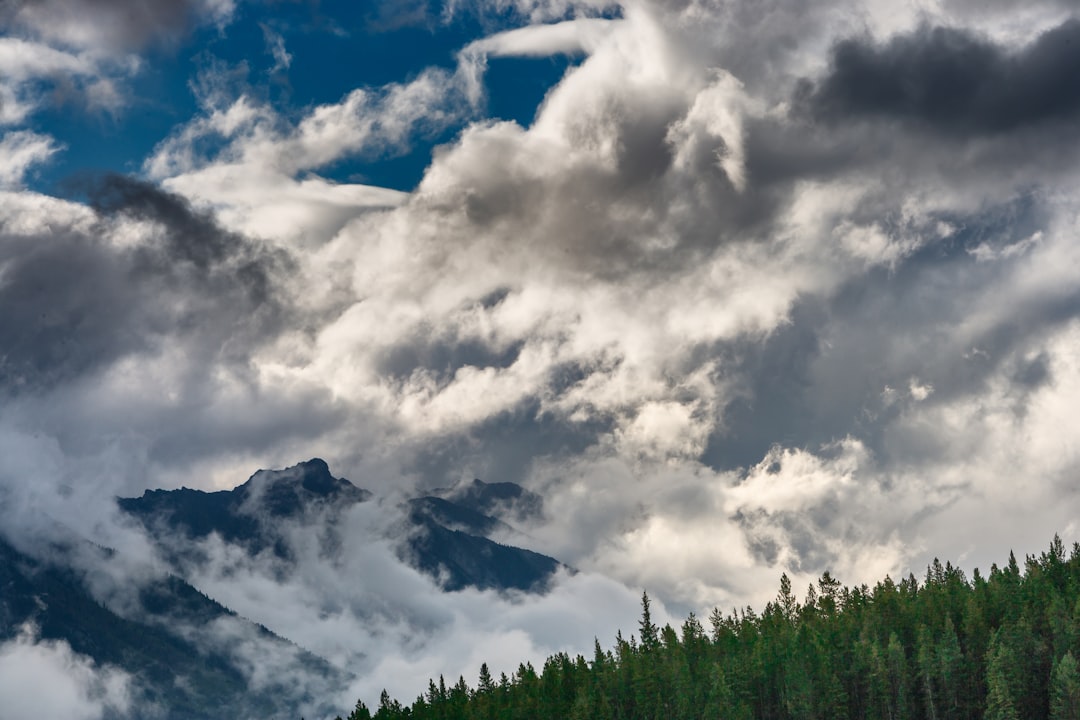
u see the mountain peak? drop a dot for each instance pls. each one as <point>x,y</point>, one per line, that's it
<point>289,491</point>
<point>243,513</point>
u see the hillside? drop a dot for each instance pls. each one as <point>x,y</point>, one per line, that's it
<point>165,640</point>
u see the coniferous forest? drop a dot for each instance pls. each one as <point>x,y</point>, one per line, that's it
<point>998,647</point>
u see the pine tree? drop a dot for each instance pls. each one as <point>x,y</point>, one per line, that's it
<point>485,685</point>
<point>925,657</point>
<point>999,696</point>
<point>1065,689</point>
<point>786,601</point>
<point>360,712</point>
<point>896,668</point>
<point>649,633</point>
<point>951,668</point>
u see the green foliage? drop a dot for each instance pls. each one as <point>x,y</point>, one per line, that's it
<point>1001,647</point>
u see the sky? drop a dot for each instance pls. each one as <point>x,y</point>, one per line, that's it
<point>741,288</point>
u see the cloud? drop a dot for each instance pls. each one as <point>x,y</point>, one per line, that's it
<point>569,37</point>
<point>31,69</point>
<point>82,52</point>
<point>727,331</point>
<point>20,151</point>
<point>275,46</point>
<point>110,26</point>
<point>46,678</point>
<point>80,301</point>
<point>954,81</point>
<point>262,178</point>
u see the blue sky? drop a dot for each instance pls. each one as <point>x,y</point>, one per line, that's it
<point>333,48</point>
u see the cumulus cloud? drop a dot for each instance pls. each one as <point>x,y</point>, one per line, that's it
<point>35,74</point>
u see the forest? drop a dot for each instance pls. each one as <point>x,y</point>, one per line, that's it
<point>1002,646</point>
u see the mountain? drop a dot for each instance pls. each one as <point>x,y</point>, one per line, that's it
<point>453,539</point>
<point>191,658</point>
<point>164,637</point>
<point>247,514</point>
<point>449,542</point>
<point>504,499</point>
<point>447,534</point>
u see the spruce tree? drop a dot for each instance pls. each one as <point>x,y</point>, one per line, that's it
<point>1065,689</point>
<point>999,696</point>
<point>649,633</point>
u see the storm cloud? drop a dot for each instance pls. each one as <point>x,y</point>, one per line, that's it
<point>953,80</point>
<point>80,298</point>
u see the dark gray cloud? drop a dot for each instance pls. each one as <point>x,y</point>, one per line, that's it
<point>189,240</point>
<point>119,25</point>
<point>77,300</point>
<point>505,447</point>
<point>952,80</point>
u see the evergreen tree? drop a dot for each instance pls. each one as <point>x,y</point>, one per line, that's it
<point>896,670</point>
<point>360,712</point>
<point>1065,690</point>
<point>649,633</point>
<point>999,696</point>
<point>999,647</point>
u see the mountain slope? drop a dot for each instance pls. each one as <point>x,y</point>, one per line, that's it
<point>164,641</point>
<point>503,499</point>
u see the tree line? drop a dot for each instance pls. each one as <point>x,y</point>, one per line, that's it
<point>999,647</point>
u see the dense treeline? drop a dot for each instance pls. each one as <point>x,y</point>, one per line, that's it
<point>1001,647</point>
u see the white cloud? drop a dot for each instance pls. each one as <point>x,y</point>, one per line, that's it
<point>262,180</point>
<point>20,151</point>
<point>44,678</point>
<point>582,35</point>
<point>275,45</point>
<point>27,67</point>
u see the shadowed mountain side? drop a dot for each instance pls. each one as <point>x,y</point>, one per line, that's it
<point>503,499</point>
<point>175,677</point>
<point>453,516</point>
<point>462,560</point>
